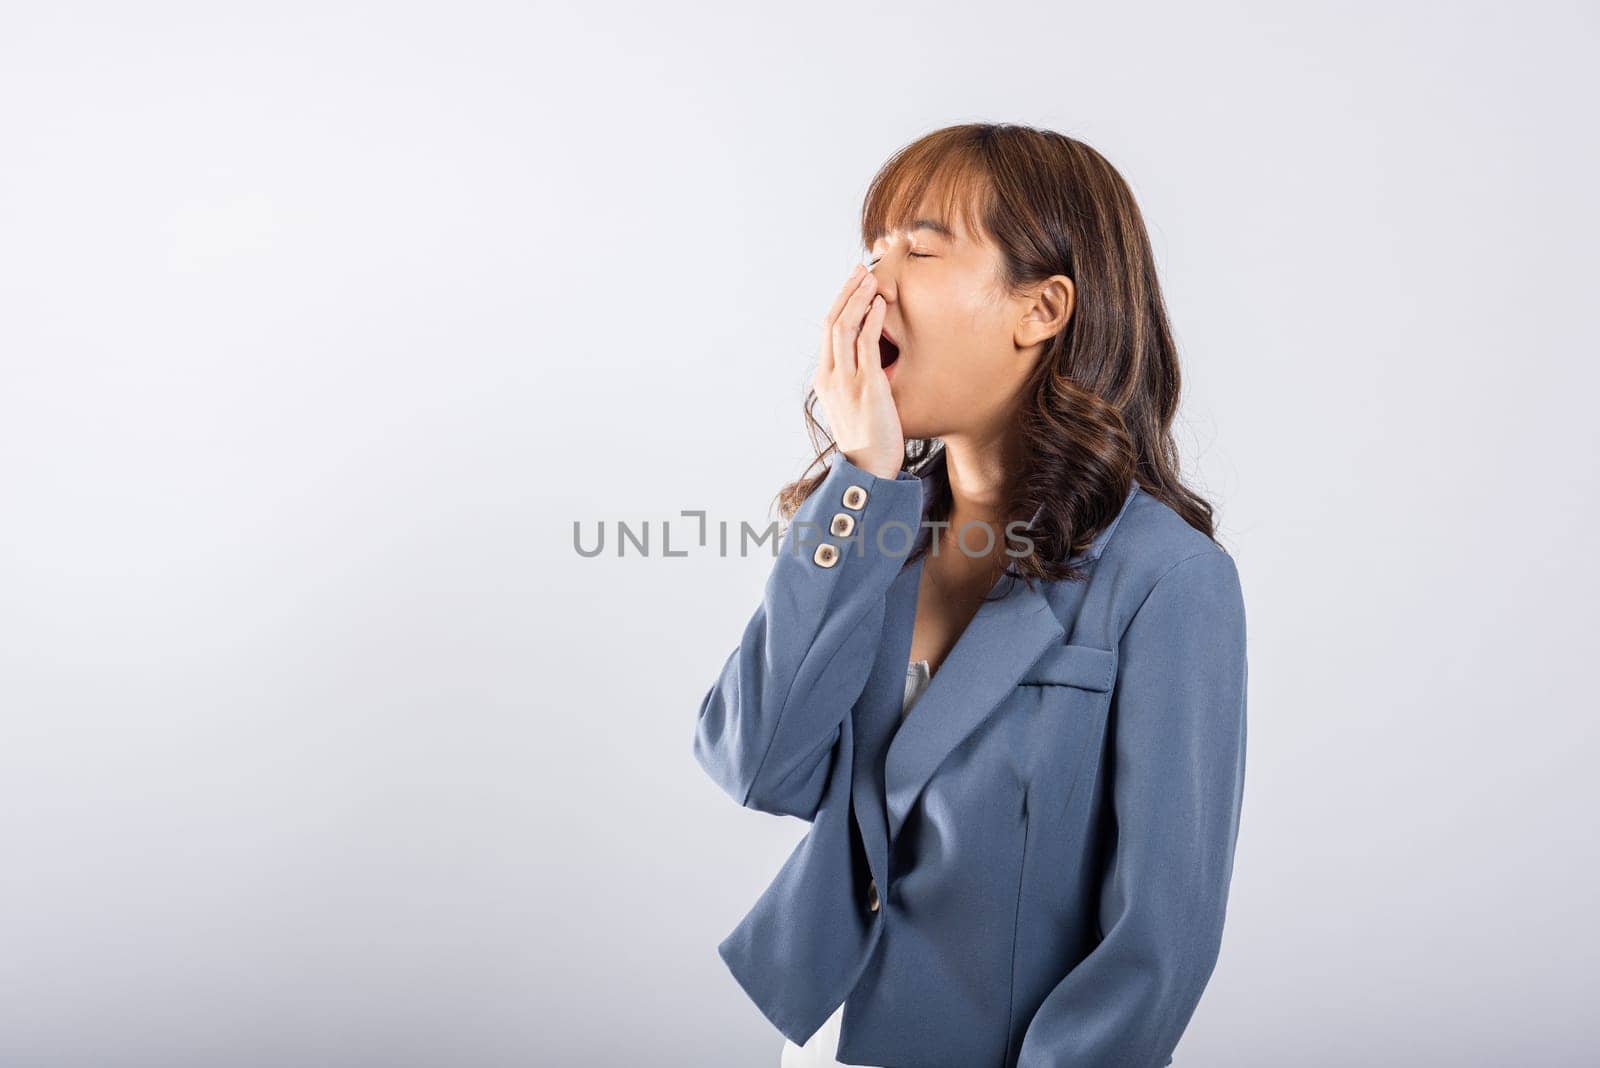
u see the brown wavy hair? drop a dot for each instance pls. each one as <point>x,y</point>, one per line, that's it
<point>1098,410</point>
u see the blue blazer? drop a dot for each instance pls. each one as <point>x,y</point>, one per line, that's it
<point>1032,869</point>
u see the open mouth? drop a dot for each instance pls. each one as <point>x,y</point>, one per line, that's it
<point>888,351</point>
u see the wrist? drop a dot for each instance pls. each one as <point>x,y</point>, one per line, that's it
<point>876,467</point>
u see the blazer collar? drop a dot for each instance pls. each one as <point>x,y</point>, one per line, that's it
<point>1098,545</point>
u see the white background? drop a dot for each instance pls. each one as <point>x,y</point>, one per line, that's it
<point>321,324</point>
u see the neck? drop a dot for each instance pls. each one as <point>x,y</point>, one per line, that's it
<point>981,472</point>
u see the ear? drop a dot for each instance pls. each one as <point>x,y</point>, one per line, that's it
<point>1049,312</point>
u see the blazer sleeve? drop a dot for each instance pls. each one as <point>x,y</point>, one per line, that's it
<point>767,728</point>
<point>1178,727</point>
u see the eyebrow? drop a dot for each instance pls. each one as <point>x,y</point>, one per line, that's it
<point>926,224</point>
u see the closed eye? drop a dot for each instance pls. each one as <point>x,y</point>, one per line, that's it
<point>913,255</point>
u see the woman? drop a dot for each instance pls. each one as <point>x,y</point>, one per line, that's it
<point>1027,861</point>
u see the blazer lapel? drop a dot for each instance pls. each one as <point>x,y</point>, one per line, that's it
<point>1003,639</point>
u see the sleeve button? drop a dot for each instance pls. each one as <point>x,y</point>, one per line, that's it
<point>855,497</point>
<point>843,523</point>
<point>826,555</point>
<point>872,894</point>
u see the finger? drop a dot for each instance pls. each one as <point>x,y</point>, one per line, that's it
<point>832,316</point>
<point>851,284</point>
<point>848,326</point>
<point>867,358</point>
<point>829,347</point>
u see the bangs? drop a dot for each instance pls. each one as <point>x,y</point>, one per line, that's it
<point>959,187</point>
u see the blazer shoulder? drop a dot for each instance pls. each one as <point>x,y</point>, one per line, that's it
<point>1151,540</point>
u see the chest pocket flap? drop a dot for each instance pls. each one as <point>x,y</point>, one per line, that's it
<point>1082,666</point>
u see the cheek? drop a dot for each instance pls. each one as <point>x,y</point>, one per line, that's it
<point>950,313</point>
<point>957,331</point>
<point>972,325</point>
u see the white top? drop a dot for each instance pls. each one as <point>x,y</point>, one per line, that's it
<point>917,679</point>
<point>819,1049</point>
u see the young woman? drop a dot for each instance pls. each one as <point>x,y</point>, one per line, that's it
<point>1000,662</point>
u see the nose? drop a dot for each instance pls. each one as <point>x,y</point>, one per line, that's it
<point>886,270</point>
